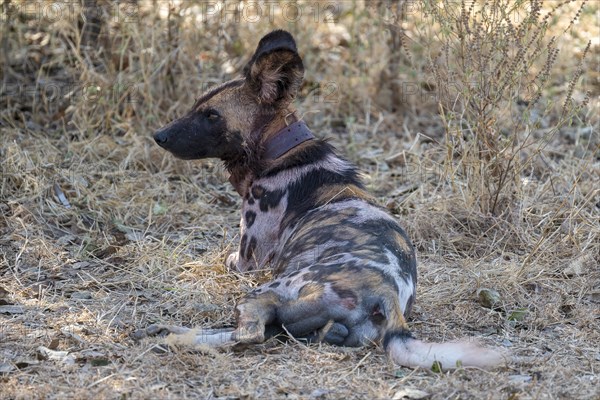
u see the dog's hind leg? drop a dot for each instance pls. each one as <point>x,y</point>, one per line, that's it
<point>315,316</point>
<point>253,313</point>
<point>179,335</point>
<point>202,337</point>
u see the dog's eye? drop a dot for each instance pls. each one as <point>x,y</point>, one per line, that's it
<point>213,115</point>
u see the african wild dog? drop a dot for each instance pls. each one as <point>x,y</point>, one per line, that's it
<point>344,271</point>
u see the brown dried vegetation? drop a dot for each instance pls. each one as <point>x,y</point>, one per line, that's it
<point>476,122</point>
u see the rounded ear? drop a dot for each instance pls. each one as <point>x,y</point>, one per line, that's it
<point>275,71</point>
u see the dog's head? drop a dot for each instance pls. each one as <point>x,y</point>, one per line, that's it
<point>227,121</point>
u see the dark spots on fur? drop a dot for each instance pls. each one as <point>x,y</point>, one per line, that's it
<point>270,199</point>
<point>348,303</point>
<point>343,292</point>
<point>376,256</point>
<point>247,248</point>
<point>250,218</point>
<point>311,291</point>
<point>409,305</point>
<point>243,243</point>
<point>287,283</point>
<point>353,276</point>
<point>257,191</point>
<point>401,334</point>
<point>348,298</point>
<point>303,194</point>
<point>330,252</point>
<point>307,277</point>
<point>267,199</point>
<point>251,247</point>
<point>274,285</point>
<point>336,232</point>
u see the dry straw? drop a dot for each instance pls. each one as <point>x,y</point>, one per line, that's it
<point>475,122</point>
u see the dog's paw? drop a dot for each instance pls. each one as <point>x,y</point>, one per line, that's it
<point>335,333</point>
<point>232,261</point>
<point>157,330</point>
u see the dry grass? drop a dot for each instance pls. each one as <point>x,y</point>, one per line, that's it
<point>102,233</point>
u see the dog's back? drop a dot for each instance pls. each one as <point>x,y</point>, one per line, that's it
<point>326,241</point>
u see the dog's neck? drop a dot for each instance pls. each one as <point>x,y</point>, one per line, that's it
<point>280,136</point>
<point>277,124</point>
<point>288,138</point>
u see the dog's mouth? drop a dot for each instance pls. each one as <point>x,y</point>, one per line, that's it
<point>172,147</point>
<point>184,151</point>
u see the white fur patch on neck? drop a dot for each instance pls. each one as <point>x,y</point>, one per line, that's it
<point>288,177</point>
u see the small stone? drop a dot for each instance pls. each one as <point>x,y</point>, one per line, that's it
<point>519,378</point>
<point>65,240</point>
<point>206,308</point>
<point>489,298</point>
<point>5,368</point>
<point>81,295</point>
<point>319,393</point>
<point>410,393</point>
<point>11,309</point>
<point>517,314</point>
<point>64,357</point>
<point>135,236</point>
<point>81,264</point>
<point>54,344</point>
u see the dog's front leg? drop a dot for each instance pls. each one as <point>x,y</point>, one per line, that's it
<point>232,261</point>
<point>262,215</point>
<point>236,263</point>
<point>244,259</point>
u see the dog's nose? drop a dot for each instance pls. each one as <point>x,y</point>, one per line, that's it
<point>161,137</point>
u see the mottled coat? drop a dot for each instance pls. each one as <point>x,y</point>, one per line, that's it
<point>344,271</point>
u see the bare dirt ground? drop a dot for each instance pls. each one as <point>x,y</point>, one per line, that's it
<point>102,233</point>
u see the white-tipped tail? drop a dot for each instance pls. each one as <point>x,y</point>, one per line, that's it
<point>410,352</point>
